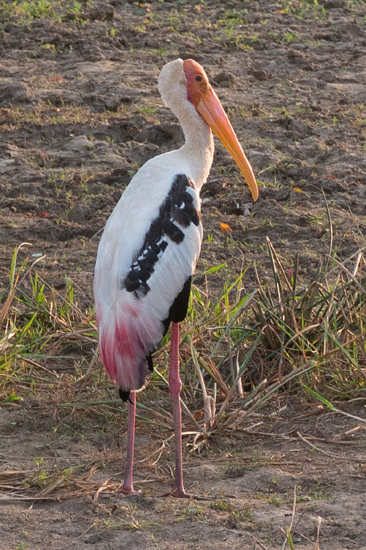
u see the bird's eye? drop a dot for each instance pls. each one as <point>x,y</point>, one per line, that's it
<point>198,78</point>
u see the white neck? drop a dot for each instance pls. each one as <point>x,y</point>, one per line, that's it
<point>199,148</point>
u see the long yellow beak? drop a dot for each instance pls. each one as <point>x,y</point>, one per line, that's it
<point>211,110</point>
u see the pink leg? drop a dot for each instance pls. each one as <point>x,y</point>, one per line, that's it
<point>175,385</point>
<point>127,487</point>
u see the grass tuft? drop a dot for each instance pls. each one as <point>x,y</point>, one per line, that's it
<point>240,352</point>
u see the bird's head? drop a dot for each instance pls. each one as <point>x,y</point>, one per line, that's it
<point>186,80</point>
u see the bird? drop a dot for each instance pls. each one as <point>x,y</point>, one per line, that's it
<point>150,246</point>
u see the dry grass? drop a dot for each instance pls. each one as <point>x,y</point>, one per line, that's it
<point>45,484</point>
<point>239,354</point>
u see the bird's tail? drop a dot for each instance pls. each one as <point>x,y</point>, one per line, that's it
<point>126,338</point>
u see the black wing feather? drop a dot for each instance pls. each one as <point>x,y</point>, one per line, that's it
<point>179,307</point>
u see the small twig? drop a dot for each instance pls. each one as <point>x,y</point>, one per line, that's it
<point>303,536</point>
<point>357,264</point>
<point>331,455</point>
<point>240,382</point>
<point>213,371</point>
<point>95,234</point>
<point>209,413</point>
<point>350,415</point>
<point>318,533</point>
<point>258,542</point>
<point>279,264</point>
<point>343,267</point>
<point>87,531</point>
<point>231,363</point>
<point>27,360</point>
<point>330,225</point>
<point>88,373</point>
<point>306,329</point>
<point>293,510</point>
<point>160,450</point>
<point>102,488</point>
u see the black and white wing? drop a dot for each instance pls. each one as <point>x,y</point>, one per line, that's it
<point>142,278</point>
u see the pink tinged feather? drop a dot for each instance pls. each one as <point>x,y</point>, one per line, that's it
<point>125,342</point>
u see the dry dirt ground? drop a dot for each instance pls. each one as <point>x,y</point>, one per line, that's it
<point>79,113</point>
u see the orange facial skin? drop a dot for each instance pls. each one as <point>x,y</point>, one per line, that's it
<point>195,88</point>
<point>205,100</point>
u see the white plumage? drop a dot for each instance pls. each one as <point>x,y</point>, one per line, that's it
<point>122,239</point>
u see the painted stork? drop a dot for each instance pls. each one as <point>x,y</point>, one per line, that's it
<point>150,246</point>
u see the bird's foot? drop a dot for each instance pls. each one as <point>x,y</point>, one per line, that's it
<point>128,490</point>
